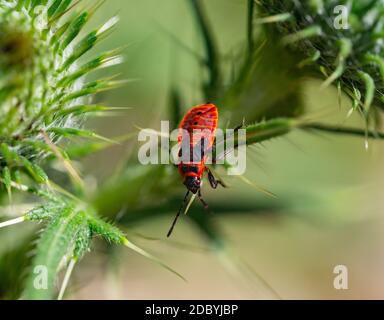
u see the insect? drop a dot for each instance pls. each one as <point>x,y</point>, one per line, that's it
<point>200,124</point>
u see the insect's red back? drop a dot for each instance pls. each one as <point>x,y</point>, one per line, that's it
<point>203,117</point>
<point>200,124</point>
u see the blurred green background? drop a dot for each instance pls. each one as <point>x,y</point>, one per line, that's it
<point>328,209</point>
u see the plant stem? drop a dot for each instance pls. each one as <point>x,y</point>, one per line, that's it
<point>210,48</point>
<point>251,9</point>
<point>278,127</point>
<point>343,130</point>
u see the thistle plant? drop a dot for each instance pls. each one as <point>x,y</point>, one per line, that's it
<point>339,41</point>
<point>288,41</point>
<point>264,87</point>
<point>44,99</point>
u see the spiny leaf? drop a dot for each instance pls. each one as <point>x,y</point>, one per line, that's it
<point>45,212</point>
<point>55,243</point>
<point>35,171</point>
<point>70,132</point>
<point>345,51</point>
<point>142,252</point>
<point>369,89</point>
<point>89,42</point>
<point>106,59</point>
<point>42,84</point>
<point>113,235</point>
<point>6,175</point>
<point>309,32</point>
<point>91,88</point>
<point>74,29</point>
<point>268,129</point>
<point>83,109</point>
<point>58,7</point>
<point>105,230</point>
<point>82,242</point>
<point>348,50</point>
<point>87,148</point>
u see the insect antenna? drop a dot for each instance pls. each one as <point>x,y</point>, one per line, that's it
<point>178,214</point>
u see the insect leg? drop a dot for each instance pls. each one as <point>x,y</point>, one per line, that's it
<point>178,214</point>
<point>202,200</point>
<point>213,181</point>
<point>242,125</point>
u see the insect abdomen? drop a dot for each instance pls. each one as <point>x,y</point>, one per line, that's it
<point>200,122</point>
<point>203,119</point>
